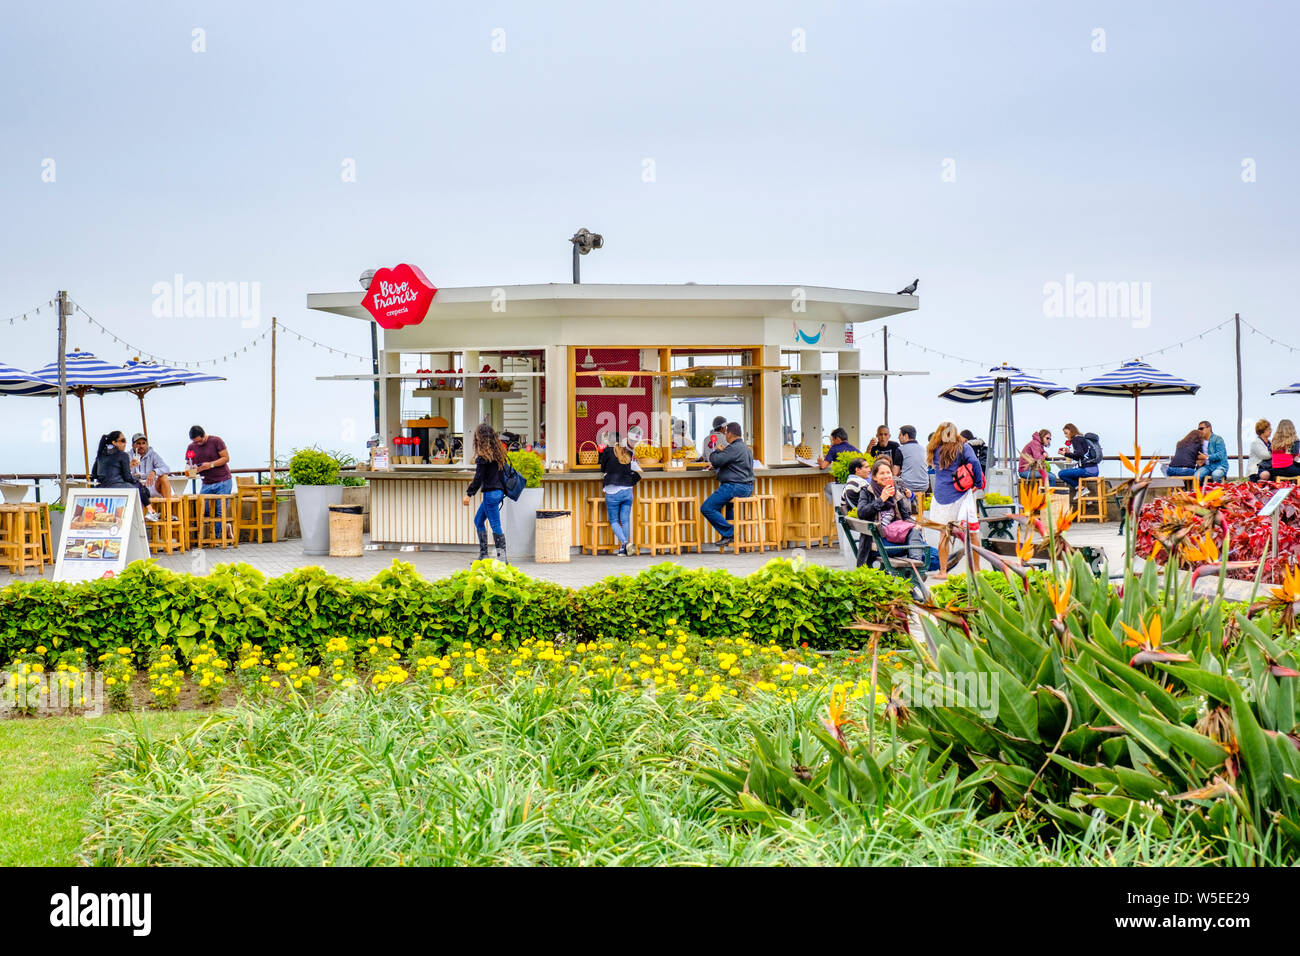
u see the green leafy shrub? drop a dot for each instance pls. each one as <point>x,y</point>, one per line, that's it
<point>529,465</point>
<point>784,600</point>
<point>147,606</point>
<point>311,466</point>
<point>840,466</point>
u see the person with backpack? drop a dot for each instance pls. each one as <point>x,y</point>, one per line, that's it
<point>978,446</point>
<point>957,475</point>
<point>490,468</point>
<point>1083,448</point>
<point>621,475</point>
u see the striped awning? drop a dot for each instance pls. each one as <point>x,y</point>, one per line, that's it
<point>980,388</point>
<point>1136,378</point>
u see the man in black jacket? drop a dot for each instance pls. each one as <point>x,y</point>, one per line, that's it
<point>734,463</point>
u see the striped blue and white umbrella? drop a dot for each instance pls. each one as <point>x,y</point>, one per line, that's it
<point>14,381</point>
<point>162,376</point>
<point>981,387</point>
<point>998,386</point>
<point>1133,379</point>
<point>1289,390</point>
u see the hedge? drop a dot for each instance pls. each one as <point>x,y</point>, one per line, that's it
<point>147,606</point>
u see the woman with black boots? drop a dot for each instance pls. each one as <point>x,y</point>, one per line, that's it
<point>489,463</point>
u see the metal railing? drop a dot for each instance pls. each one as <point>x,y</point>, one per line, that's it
<point>37,478</point>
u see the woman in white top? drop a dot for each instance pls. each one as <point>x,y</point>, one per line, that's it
<point>1261,451</point>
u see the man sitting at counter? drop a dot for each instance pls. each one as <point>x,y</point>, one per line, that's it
<point>734,463</point>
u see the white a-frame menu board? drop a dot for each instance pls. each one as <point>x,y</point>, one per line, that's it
<point>103,532</point>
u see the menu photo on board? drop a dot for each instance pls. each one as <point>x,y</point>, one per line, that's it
<point>102,532</point>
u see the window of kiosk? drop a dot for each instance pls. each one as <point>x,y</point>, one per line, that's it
<point>708,384</point>
<point>507,389</point>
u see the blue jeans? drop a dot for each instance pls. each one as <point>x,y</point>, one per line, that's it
<point>489,510</point>
<point>217,488</point>
<point>1176,471</point>
<point>618,505</point>
<point>1218,473</point>
<point>713,505</point>
<point>1071,476</point>
<point>1052,479</point>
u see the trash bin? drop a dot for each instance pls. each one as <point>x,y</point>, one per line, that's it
<point>554,537</point>
<point>346,524</point>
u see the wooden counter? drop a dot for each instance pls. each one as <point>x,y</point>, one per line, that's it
<point>421,504</point>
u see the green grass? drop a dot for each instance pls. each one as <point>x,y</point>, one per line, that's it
<point>46,785</point>
<point>514,776</point>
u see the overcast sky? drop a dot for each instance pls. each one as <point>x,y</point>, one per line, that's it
<point>990,149</point>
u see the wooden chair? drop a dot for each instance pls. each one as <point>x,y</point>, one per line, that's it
<point>168,534</point>
<point>1091,499</point>
<point>597,535</point>
<point>257,511</point>
<point>21,538</point>
<point>803,519</point>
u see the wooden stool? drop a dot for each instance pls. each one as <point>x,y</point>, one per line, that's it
<point>597,535</point>
<point>20,538</point>
<point>803,519</point>
<point>47,538</point>
<point>686,523</point>
<point>218,520</point>
<point>168,534</point>
<point>1091,499</point>
<point>756,526</point>
<point>657,525</point>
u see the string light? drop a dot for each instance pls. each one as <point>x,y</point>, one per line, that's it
<point>221,358</point>
<point>1077,368</point>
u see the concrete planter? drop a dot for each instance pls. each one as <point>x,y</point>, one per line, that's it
<point>519,522</point>
<point>314,515</point>
<point>286,519</point>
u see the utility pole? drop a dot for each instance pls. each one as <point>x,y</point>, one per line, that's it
<point>884,379</point>
<point>274,322</point>
<point>1240,465</point>
<point>63,396</point>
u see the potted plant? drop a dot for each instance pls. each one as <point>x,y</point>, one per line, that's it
<point>519,518</point>
<point>316,486</point>
<point>57,510</point>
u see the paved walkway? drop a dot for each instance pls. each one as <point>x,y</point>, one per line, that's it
<point>284,556</point>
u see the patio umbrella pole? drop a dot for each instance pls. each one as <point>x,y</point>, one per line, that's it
<point>1135,419</point>
<point>85,451</point>
<point>144,424</point>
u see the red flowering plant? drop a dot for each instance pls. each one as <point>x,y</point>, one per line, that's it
<point>1195,524</point>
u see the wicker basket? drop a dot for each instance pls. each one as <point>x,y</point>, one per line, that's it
<point>554,537</point>
<point>614,381</point>
<point>803,451</point>
<point>345,535</point>
<point>701,380</point>
<point>648,452</point>
<point>588,456</point>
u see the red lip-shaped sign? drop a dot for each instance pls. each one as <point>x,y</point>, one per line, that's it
<point>399,296</point>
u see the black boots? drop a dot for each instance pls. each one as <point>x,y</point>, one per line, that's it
<point>482,544</point>
<point>500,541</point>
